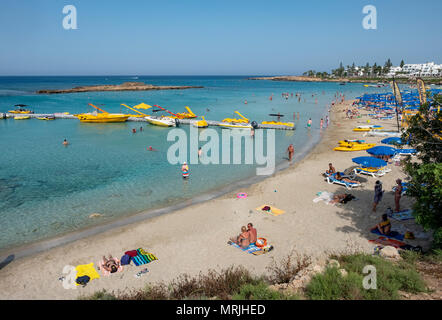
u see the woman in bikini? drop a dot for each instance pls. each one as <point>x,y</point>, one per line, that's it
<point>340,178</point>
<point>243,239</point>
<point>110,264</point>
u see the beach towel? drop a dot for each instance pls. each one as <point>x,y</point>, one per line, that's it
<point>143,257</point>
<point>272,210</point>
<point>402,215</point>
<point>388,242</point>
<point>87,270</point>
<point>108,273</point>
<point>250,249</point>
<point>393,234</point>
<point>383,241</point>
<point>324,196</point>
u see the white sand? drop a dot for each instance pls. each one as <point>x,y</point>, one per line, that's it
<point>194,239</point>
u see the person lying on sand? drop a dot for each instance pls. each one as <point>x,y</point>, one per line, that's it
<point>243,240</point>
<point>110,264</point>
<point>340,178</point>
<point>338,198</point>
<point>384,226</point>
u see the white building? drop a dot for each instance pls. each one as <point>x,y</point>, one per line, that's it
<point>429,69</point>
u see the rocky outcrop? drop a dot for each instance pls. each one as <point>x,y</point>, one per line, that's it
<point>126,86</point>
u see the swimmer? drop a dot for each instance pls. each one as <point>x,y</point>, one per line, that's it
<point>149,148</point>
<point>134,130</point>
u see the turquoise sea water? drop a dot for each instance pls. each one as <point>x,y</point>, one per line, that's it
<point>47,189</point>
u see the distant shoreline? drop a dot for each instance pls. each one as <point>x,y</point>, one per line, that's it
<point>126,86</point>
<point>341,80</point>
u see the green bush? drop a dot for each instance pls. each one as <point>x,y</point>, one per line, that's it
<point>390,278</point>
<point>260,291</point>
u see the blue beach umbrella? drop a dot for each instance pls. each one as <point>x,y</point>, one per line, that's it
<point>392,140</point>
<point>382,151</point>
<point>369,162</point>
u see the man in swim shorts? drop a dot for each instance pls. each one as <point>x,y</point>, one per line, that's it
<point>253,233</point>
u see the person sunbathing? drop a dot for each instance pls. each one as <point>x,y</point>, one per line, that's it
<point>341,178</point>
<point>253,233</point>
<point>384,226</point>
<point>110,264</point>
<point>338,198</point>
<point>243,240</point>
<point>331,169</point>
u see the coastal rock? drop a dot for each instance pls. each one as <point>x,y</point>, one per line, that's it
<point>126,86</point>
<point>95,215</point>
<point>343,272</point>
<point>389,252</point>
<point>317,269</point>
<point>332,263</point>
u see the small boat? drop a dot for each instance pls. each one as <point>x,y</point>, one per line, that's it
<point>21,117</point>
<point>243,119</point>
<point>20,109</point>
<point>236,125</point>
<point>201,123</point>
<point>277,122</point>
<point>355,147</point>
<point>104,117</point>
<point>186,115</point>
<point>368,128</point>
<point>161,121</point>
<point>46,118</point>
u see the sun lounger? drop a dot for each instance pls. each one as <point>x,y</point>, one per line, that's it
<point>332,179</point>
<point>406,152</point>
<point>375,173</point>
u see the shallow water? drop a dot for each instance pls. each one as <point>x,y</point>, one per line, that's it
<point>47,189</point>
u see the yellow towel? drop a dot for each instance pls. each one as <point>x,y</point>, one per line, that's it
<point>273,211</point>
<point>87,270</point>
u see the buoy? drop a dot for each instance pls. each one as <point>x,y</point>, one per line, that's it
<point>241,195</point>
<point>261,242</point>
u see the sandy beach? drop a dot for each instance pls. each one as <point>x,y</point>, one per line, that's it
<point>194,239</point>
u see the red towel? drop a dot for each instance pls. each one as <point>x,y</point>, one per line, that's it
<point>131,253</point>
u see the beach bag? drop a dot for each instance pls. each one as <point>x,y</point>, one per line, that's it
<point>125,259</point>
<point>83,280</point>
<point>266,208</point>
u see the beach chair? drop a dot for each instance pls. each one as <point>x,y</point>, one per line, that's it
<point>331,179</point>
<point>407,152</point>
<point>374,172</point>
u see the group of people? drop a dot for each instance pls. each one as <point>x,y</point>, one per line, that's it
<point>247,237</point>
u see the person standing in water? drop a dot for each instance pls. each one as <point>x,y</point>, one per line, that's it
<point>321,123</point>
<point>65,142</point>
<point>200,152</point>
<point>309,123</point>
<point>291,151</point>
<point>185,170</point>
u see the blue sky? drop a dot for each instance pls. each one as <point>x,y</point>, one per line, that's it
<point>213,37</point>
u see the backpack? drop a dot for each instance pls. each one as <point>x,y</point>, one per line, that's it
<point>83,280</point>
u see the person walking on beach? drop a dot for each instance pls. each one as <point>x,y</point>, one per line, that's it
<point>326,120</point>
<point>378,193</point>
<point>291,151</point>
<point>398,195</point>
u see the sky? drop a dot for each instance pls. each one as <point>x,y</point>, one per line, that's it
<point>213,37</point>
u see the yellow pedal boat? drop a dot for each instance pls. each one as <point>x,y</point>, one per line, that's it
<point>21,117</point>
<point>201,123</point>
<point>104,117</point>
